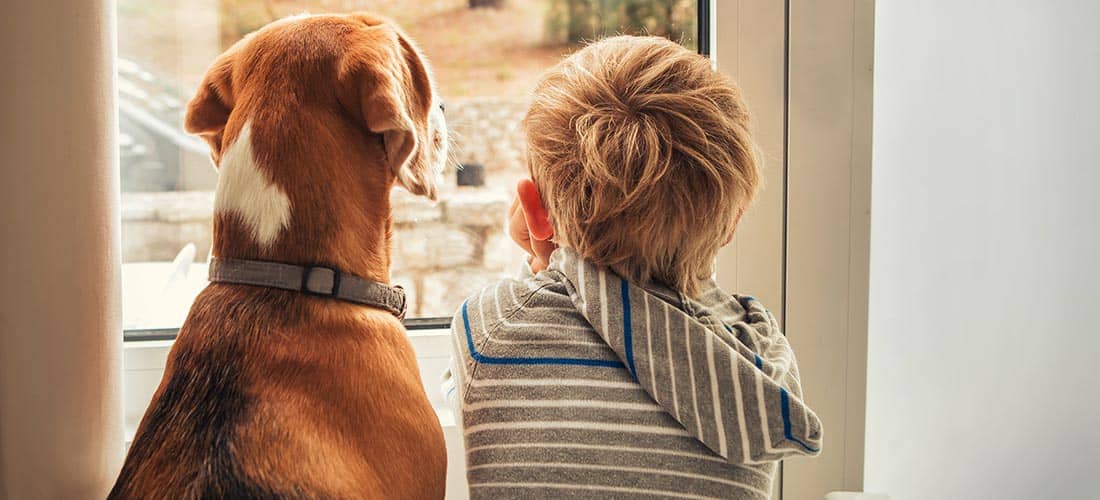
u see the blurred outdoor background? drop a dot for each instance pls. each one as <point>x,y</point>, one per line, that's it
<point>487,55</point>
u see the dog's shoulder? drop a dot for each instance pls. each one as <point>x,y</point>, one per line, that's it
<point>186,440</point>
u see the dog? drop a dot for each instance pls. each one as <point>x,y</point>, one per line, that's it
<point>279,390</point>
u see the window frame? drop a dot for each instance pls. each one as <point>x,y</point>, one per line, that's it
<point>703,43</point>
<point>825,57</point>
<point>161,334</point>
<point>806,71</point>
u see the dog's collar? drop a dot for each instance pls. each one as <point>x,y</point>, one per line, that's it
<point>311,280</point>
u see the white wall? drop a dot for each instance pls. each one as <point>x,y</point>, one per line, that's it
<point>984,343</point>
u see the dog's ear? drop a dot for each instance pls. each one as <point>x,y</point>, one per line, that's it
<point>208,111</point>
<point>391,92</point>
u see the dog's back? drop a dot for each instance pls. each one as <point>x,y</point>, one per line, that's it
<point>272,393</point>
<point>240,414</point>
<point>186,443</point>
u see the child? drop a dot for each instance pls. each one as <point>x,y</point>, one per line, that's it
<point>621,368</point>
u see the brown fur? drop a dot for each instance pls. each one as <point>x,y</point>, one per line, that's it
<point>276,394</point>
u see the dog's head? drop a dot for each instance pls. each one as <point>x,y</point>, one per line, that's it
<point>355,67</point>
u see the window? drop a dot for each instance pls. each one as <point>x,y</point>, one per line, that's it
<point>486,55</point>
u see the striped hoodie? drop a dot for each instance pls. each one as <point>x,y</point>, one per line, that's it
<point>574,382</point>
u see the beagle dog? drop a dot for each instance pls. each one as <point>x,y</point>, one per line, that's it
<point>292,376</point>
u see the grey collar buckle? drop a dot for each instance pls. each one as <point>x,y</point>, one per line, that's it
<point>315,280</point>
<point>320,281</point>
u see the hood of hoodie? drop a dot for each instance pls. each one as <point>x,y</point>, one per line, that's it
<point>718,363</point>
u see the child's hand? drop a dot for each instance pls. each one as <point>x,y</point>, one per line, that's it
<point>538,250</point>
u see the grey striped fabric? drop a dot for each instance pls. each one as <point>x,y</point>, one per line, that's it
<point>575,383</point>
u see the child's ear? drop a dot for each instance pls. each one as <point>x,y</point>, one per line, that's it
<point>538,220</point>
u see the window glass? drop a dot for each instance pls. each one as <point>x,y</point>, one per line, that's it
<point>486,55</point>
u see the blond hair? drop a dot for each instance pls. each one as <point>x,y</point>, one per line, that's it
<point>643,158</point>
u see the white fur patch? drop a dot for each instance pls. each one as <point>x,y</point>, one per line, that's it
<point>245,190</point>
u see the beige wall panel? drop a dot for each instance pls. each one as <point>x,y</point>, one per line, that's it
<point>827,231</point>
<point>60,329</point>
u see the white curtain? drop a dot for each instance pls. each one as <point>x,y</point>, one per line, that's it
<point>60,340</point>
